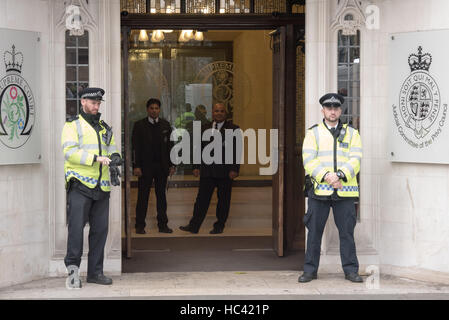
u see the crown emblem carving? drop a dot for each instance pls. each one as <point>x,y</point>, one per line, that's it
<point>419,61</point>
<point>13,60</point>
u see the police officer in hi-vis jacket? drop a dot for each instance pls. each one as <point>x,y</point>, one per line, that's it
<point>90,153</point>
<point>332,152</point>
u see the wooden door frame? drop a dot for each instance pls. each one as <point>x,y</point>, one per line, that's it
<point>210,21</point>
<point>206,22</point>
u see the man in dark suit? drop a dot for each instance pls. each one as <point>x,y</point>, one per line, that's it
<point>151,147</point>
<point>215,175</point>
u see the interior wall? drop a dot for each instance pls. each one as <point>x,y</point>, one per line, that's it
<point>253,94</point>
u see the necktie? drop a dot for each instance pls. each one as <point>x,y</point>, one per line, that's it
<point>333,130</point>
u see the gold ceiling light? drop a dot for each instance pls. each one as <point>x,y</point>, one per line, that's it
<point>143,36</point>
<point>157,36</point>
<point>199,36</point>
<point>187,35</point>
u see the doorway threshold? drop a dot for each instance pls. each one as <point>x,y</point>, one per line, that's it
<point>204,232</point>
<point>238,254</point>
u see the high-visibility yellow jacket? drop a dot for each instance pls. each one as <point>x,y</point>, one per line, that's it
<point>321,153</point>
<point>81,143</point>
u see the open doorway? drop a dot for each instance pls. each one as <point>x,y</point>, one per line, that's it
<point>231,67</point>
<point>234,67</point>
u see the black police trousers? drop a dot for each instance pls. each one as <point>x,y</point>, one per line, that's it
<point>83,209</point>
<point>345,220</point>
<point>205,191</point>
<point>144,187</point>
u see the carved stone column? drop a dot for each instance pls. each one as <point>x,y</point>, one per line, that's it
<point>101,18</point>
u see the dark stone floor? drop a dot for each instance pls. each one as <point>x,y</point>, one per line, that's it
<point>208,254</point>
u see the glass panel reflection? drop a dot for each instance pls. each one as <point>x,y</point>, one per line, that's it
<point>70,74</point>
<point>349,73</point>
<point>77,70</point>
<point>83,56</point>
<point>83,73</point>
<point>70,56</point>
<point>71,108</point>
<point>190,77</point>
<point>71,91</point>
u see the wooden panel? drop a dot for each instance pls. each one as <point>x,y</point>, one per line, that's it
<point>293,195</point>
<point>210,21</point>
<point>299,239</point>
<point>125,47</point>
<point>278,45</point>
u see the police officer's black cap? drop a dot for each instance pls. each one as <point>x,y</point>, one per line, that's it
<point>92,93</point>
<point>332,100</point>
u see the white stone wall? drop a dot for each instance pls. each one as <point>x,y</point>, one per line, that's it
<point>413,198</point>
<point>24,189</point>
<point>33,232</point>
<point>404,208</point>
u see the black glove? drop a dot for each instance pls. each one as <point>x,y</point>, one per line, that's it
<point>114,172</point>
<point>114,168</point>
<point>116,160</point>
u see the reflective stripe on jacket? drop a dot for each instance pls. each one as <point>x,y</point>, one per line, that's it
<point>80,143</point>
<point>322,153</point>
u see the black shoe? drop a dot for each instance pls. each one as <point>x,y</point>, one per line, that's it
<point>216,231</point>
<point>165,229</point>
<point>307,277</point>
<point>140,230</point>
<point>354,277</point>
<point>188,228</point>
<point>99,279</point>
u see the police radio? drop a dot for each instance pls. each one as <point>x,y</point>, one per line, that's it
<point>342,134</point>
<point>107,137</point>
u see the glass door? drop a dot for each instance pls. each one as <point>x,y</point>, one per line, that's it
<point>184,78</point>
<point>233,67</point>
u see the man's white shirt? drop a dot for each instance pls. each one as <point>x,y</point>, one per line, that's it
<point>153,121</point>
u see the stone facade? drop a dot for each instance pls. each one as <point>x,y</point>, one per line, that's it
<point>33,231</point>
<point>404,221</point>
<point>403,226</point>
<point>101,19</point>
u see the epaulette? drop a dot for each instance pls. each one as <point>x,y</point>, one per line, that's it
<point>315,125</point>
<point>72,118</point>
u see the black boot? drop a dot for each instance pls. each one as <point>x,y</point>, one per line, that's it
<point>99,279</point>
<point>165,229</point>
<point>188,228</point>
<point>353,277</point>
<point>307,277</point>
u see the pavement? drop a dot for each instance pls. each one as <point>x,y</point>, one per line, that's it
<point>231,285</point>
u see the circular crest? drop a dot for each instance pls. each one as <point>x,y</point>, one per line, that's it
<point>17,111</point>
